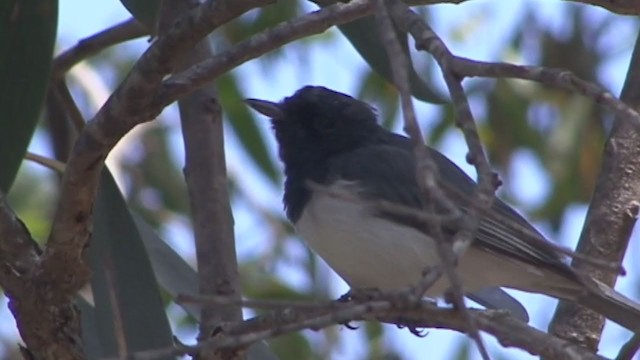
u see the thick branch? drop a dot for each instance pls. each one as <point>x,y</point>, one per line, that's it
<point>41,288</point>
<point>19,253</point>
<point>206,176</point>
<point>319,21</point>
<point>49,331</point>
<point>611,216</point>
<point>312,23</point>
<point>63,264</point>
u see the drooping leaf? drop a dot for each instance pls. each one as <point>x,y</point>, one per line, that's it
<point>27,36</point>
<point>363,35</point>
<point>244,125</point>
<point>174,274</point>
<point>129,308</point>
<point>90,335</point>
<point>145,11</point>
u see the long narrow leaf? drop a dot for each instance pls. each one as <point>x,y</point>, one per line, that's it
<point>145,11</point>
<point>130,313</point>
<point>363,35</point>
<point>172,271</point>
<point>90,336</point>
<point>176,277</point>
<point>27,36</point>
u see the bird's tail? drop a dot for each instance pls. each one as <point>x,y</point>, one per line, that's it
<point>612,305</point>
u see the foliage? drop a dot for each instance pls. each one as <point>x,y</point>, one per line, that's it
<point>555,127</point>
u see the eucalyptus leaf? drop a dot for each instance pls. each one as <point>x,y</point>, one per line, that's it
<point>27,36</point>
<point>130,314</point>
<point>145,11</point>
<point>90,337</point>
<point>176,276</point>
<point>363,35</point>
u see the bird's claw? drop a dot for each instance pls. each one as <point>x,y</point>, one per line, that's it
<point>348,325</point>
<point>414,330</point>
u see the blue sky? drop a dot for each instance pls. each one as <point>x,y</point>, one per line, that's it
<point>322,66</point>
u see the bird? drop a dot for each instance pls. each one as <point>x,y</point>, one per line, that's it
<point>333,140</point>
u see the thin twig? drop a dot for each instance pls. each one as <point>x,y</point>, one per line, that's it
<point>63,264</point>
<point>630,348</point>
<point>509,331</point>
<point>426,166</point>
<point>559,78</point>
<point>49,163</point>
<point>205,173</point>
<point>263,304</point>
<point>414,215</point>
<point>124,31</point>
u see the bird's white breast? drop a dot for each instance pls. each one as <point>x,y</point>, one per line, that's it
<point>372,252</point>
<point>366,251</point>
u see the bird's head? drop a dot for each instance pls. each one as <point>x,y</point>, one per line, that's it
<point>316,123</point>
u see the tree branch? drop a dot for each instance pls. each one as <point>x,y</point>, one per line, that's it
<point>124,31</point>
<point>611,216</point>
<point>42,301</point>
<point>51,331</point>
<point>319,21</point>
<point>426,168</point>
<point>63,264</point>
<point>206,176</point>
<point>388,308</point>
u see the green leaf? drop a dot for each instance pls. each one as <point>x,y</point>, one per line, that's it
<point>145,11</point>
<point>244,125</point>
<point>363,35</point>
<point>27,36</point>
<point>171,270</point>
<point>360,34</point>
<point>90,335</point>
<point>178,277</point>
<point>129,308</point>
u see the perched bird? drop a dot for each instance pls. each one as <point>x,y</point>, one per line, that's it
<point>331,139</point>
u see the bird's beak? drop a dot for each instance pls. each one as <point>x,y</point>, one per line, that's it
<point>266,108</point>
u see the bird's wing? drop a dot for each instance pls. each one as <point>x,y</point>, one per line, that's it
<point>392,177</point>
<point>493,297</point>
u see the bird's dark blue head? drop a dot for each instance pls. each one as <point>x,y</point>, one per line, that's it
<point>316,123</point>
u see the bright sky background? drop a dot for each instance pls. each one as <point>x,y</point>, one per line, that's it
<point>338,66</point>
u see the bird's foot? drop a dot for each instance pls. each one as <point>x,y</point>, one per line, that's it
<point>419,332</point>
